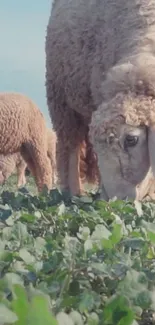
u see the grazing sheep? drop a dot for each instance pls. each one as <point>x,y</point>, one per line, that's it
<point>23,129</point>
<point>100,71</point>
<point>9,163</point>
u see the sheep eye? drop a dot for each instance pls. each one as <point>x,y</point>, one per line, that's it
<point>130,141</point>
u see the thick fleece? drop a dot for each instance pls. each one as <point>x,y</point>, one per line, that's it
<point>96,51</point>
<point>23,129</point>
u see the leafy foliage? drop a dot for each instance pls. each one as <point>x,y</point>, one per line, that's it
<point>75,261</point>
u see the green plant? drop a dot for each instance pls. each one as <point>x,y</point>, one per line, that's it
<point>75,261</point>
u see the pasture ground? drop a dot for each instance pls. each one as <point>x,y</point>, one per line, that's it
<point>72,261</point>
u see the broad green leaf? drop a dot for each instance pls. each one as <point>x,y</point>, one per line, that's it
<point>6,256</point>
<point>100,267</point>
<point>74,288</point>
<point>26,256</point>
<point>93,319</point>
<point>100,232</point>
<point>76,317</point>
<point>21,231</point>
<point>39,312</point>
<point>127,317</point>
<point>116,234</point>
<point>84,233</point>
<point>37,214</point>
<point>30,218</point>
<point>135,243</point>
<point>7,316</point>
<point>86,303</point>
<point>13,278</point>
<point>39,245</point>
<point>6,233</point>
<point>150,226</point>
<point>20,304</point>
<point>143,299</point>
<point>117,312</point>
<point>88,245</point>
<point>151,236</point>
<point>64,319</point>
<point>107,243</point>
<point>10,221</point>
<point>138,310</point>
<point>19,266</point>
<point>61,209</point>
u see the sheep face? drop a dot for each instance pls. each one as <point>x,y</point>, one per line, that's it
<point>123,160</point>
<point>124,141</point>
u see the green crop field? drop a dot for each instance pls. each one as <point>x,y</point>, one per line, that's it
<point>72,261</point>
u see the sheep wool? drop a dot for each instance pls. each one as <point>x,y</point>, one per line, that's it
<point>100,76</point>
<point>23,129</point>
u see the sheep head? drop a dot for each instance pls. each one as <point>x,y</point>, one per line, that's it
<point>122,132</point>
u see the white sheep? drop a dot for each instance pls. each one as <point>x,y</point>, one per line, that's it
<point>23,129</point>
<point>100,71</point>
<point>11,163</point>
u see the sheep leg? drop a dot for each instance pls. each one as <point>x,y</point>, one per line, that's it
<point>21,174</point>
<point>38,166</point>
<point>62,164</point>
<point>43,170</point>
<point>76,159</point>
<point>54,176</point>
<point>70,129</point>
<point>30,164</point>
<point>35,155</point>
<point>21,167</point>
<point>42,164</point>
<point>21,179</point>
<point>68,166</point>
<point>53,164</point>
<point>29,161</point>
<point>74,172</point>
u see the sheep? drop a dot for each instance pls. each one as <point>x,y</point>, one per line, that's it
<point>100,82</point>
<point>9,163</point>
<point>23,129</point>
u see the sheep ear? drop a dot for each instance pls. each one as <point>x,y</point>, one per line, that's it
<point>151,147</point>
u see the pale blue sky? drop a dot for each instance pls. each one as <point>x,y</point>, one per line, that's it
<point>22,57</point>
